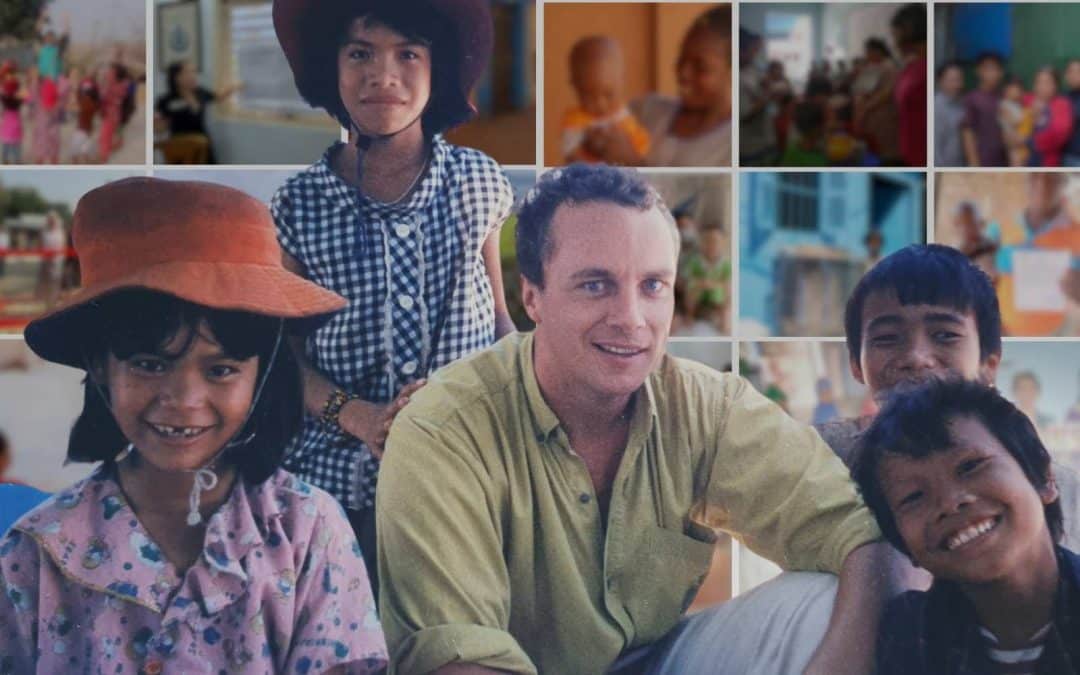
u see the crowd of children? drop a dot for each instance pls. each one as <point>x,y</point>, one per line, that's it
<point>867,111</point>
<point>37,100</point>
<point>1003,122</point>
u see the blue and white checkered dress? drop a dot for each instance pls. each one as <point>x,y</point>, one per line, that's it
<point>414,276</point>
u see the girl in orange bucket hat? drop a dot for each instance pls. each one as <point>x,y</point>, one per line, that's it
<point>187,547</point>
<point>399,221</point>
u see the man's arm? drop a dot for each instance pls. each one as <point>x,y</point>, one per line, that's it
<point>872,575</point>
<point>777,485</point>
<point>444,599</point>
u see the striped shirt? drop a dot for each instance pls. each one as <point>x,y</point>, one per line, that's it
<point>1022,661</point>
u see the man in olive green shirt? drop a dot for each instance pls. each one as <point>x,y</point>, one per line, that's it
<point>547,505</point>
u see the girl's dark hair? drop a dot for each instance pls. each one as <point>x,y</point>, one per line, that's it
<point>916,424</point>
<point>1048,70</point>
<point>139,321</point>
<point>173,72</point>
<point>448,105</point>
<point>911,21</point>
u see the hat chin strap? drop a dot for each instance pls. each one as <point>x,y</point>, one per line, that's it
<point>205,478</point>
<point>364,139</point>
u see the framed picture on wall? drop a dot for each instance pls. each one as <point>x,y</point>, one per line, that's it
<point>178,37</point>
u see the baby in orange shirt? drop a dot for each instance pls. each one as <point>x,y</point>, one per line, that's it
<point>596,72</point>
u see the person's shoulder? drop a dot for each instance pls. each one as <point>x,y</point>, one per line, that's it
<point>477,386</point>
<point>300,505</point>
<point>843,435</point>
<point>692,385</point>
<point>465,163</point>
<point>311,184</point>
<point>66,506</point>
<point>576,118</point>
<point>902,643</point>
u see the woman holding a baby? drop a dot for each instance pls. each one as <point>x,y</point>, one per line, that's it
<point>693,129</point>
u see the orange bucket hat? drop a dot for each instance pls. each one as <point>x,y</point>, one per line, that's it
<point>208,244</point>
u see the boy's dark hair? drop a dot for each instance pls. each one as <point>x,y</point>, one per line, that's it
<point>929,274</point>
<point>575,185</point>
<point>990,56</point>
<point>878,44</point>
<point>946,67</point>
<point>911,19</point>
<point>809,118</point>
<point>915,423</point>
<point>447,106</point>
<point>140,321</point>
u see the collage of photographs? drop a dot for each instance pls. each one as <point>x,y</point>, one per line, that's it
<point>539,336</point>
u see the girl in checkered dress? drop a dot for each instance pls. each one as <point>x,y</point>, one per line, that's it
<point>400,222</point>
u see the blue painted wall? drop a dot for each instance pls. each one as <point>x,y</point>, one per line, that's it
<point>847,210</point>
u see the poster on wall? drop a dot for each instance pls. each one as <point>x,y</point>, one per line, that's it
<point>178,33</point>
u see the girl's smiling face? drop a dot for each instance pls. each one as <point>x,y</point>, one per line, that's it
<point>180,405</point>
<point>384,78</point>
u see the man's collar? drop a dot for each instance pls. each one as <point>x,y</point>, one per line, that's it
<point>544,419</point>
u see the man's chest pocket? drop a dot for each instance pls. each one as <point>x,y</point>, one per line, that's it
<point>667,570</point>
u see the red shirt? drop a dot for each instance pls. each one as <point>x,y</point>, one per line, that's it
<point>910,96</point>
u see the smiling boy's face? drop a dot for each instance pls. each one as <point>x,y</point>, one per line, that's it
<point>968,513</point>
<point>904,345</point>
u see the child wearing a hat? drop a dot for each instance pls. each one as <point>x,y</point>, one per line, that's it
<point>400,222</point>
<point>187,548</point>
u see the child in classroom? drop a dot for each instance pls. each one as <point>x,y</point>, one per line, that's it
<point>807,149</point>
<point>597,74</point>
<point>187,545</point>
<point>960,481</point>
<point>399,221</point>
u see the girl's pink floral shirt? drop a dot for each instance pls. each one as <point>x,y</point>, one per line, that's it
<point>280,587</point>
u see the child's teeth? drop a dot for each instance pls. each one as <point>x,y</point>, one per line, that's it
<point>969,533</point>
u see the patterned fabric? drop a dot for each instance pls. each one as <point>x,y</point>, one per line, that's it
<point>936,632</point>
<point>418,290</point>
<point>280,587</point>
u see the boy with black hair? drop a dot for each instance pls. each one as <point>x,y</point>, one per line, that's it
<point>927,312</point>
<point>984,144</point>
<point>807,150</point>
<point>959,481</point>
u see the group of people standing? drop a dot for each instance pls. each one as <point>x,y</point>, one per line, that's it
<point>284,402</point>
<point>1002,122</point>
<point>37,100</point>
<point>872,113</point>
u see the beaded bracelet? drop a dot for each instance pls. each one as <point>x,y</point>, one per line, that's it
<point>332,408</point>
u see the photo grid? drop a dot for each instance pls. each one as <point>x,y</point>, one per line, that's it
<point>796,145</point>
